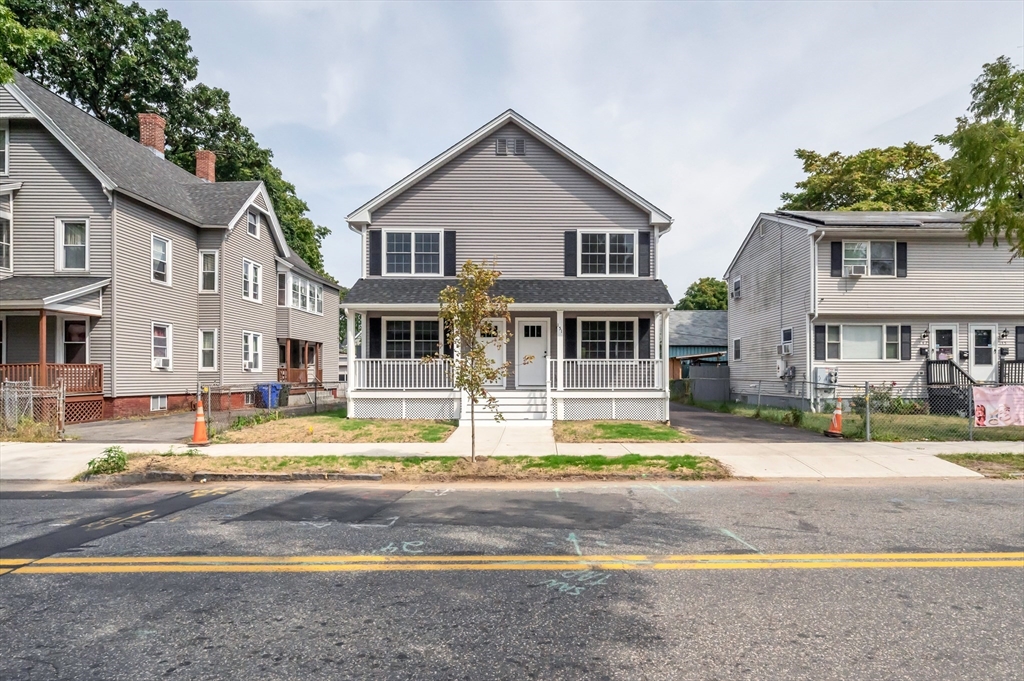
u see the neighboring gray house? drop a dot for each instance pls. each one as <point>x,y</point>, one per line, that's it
<point>578,253</point>
<point>697,336</point>
<point>132,280</point>
<point>880,297</point>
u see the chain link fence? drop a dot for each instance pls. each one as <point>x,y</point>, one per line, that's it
<point>26,407</point>
<point>885,412</point>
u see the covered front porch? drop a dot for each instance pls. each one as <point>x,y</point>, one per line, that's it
<point>300,363</point>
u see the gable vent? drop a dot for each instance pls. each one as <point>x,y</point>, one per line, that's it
<point>505,146</point>
<point>501,146</point>
<point>520,147</point>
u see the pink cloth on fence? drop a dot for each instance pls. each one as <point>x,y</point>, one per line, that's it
<point>996,407</point>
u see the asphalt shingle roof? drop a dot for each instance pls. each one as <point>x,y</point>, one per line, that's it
<point>854,218</point>
<point>37,288</point>
<point>387,291</point>
<point>134,168</point>
<point>698,327</point>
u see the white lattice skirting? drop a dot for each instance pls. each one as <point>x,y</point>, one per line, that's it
<point>402,408</point>
<point>611,408</point>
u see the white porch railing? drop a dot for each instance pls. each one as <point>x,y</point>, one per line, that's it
<point>400,374</point>
<point>607,374</point>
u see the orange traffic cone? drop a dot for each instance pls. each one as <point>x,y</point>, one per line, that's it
<point>199,436</point>
<point>835,429</point>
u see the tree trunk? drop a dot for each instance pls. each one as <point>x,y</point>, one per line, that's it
<point>472,430</point>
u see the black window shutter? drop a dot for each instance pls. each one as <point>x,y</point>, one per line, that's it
<point>837,258</point>
<point>569,338</point>
<point>449,253</point>
<point>644,339</point>
<point>819,342</point>
<point>374,268</point>
<point>901,259</point>
<point>905,343</point>
<point>374,349</point>
<point>570,253</point>
<point>1019,350</point>
<point>643,254</point>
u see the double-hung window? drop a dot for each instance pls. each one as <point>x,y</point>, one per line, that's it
<point>607,339</point>
<point>608,253</point>
<point>862,341</point>
<point>877,258</point>
<point>5,242</point>
<point>252,224</point>
<point>412,253</point>
<point>208,271</point>
<point>411,338</point>
<point>4,154</point>
<point>75,342</point>
<point>162,347</point>
<point>74,244</point>
<point>252,351</point>
<point>251,280</point>
<point>207,349</point>
<point>282,289</point>
<point>160,253</point>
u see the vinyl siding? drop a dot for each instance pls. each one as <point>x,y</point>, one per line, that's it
<point>210,303</point>
<point>945,276</point>
<point>240,314</point>
<point>9,106</point>
<point>89,300</point>
<point>499,204</point>
<point>774,270</point>
<point>140,302</point>
<point>55,185</point>
<point>100,337</point>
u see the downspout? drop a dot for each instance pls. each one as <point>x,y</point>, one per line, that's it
<point>113,295</point>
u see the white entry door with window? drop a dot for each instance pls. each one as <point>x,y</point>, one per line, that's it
<point>943,341</point>
<point>983,352</point>
<point>495,348</point>
<point>531,340</point>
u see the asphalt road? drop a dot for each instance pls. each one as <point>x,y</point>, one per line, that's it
<point>694,581</point>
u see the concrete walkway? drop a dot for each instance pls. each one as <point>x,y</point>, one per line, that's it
<point>825,459</point>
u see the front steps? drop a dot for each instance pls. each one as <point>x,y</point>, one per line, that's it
<point>514,405</point>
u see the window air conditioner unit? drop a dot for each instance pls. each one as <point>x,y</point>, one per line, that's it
<point>784,349</point>
<point>162,363</point>
<point>249,366</point>
<point>856,270</point>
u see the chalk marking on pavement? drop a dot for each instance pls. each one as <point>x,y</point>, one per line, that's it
<point>363,563</point>
<point>729,534</point>
<point>393,519</point>
<point>575,543</point>
<point>558,494</point>
<point>658,488</point>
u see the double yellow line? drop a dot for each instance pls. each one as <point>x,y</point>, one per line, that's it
<point>424,563</point>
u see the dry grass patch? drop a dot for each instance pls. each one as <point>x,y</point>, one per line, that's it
<point>990,465</point>
<point>333,427</point>
<point>28,430</point>
<point>617,431</point>
<point>447,468</point>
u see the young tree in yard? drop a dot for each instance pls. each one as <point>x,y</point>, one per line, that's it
<point>707,293</point>
<point>987,168</point>
<point>911,177</point>
<point>468,310</point>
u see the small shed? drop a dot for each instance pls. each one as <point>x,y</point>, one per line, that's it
<point>697,336</point>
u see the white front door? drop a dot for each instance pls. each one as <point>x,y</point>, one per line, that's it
<point>532,342</point>
<point>495,348</point>
<point>944,341</point>
<point>983,352</point>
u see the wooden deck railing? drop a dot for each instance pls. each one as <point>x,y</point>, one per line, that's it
<point>299,375</point>
<point>78,379</point>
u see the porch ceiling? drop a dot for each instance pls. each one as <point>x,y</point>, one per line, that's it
<point>569,291</point>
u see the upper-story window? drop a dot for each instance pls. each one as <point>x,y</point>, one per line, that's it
<point>252,276</point>
<point>874,258</point>
<point>208,271</point>
<point>4,147</point>
<point>306,295</point>
<point>5,241</point>
<point>161,258</point>
<point>412,253</point>
<point>608,253</point>
<point>253,224</point>
<point>282,289</point>
<point>74,244</point>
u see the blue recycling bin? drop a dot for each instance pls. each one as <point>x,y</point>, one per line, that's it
<point>269,394</point>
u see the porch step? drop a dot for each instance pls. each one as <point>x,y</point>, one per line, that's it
<point>516,405</point>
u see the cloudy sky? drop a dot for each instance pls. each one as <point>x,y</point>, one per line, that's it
<point>697,106</point>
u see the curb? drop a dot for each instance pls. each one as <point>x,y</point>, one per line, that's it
<point>207,476</point>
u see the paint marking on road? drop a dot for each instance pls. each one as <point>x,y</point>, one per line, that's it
<point>575,543</point>
<point>393,520</point>
<point>731,535</point>
<point>422,563</point>
<point>659,489</point>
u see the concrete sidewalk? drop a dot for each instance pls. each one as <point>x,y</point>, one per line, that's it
<point>827,459</point>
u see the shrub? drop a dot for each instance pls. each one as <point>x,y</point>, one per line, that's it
<point>793,417</point>
<point>114,460</point>
<point>256,419</point>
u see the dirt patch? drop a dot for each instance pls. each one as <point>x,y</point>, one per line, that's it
<point>990,465</point>
<point>617,431</point>
<point>334,427</point>
<point>448,468</point>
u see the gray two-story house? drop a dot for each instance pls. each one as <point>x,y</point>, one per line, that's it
<point>578,253</point>
<point>886,298</point>
<point>132,281</point>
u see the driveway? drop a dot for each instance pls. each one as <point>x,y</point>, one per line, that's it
<point>712,426</point>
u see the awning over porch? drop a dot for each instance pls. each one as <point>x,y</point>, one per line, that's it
<point>76,295</point>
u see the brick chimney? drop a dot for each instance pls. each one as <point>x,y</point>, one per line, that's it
<point>151,132</point>
<point>206,165</point>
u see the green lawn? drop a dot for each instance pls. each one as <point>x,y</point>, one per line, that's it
<point>617,431</point>
<point>990,465</point>
<point>333,426</point>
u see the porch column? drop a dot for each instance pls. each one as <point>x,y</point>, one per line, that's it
<point>350,349</point>
<point>665,350</point>
<point>288,360</point>
<point>559,347</point>
<point>42,349</point>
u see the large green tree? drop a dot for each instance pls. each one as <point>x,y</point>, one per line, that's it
<point>911,177</point>
<point>19,43</point>
<point>986,171</point>
<point>116,60</point>
<point>707,293</point>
